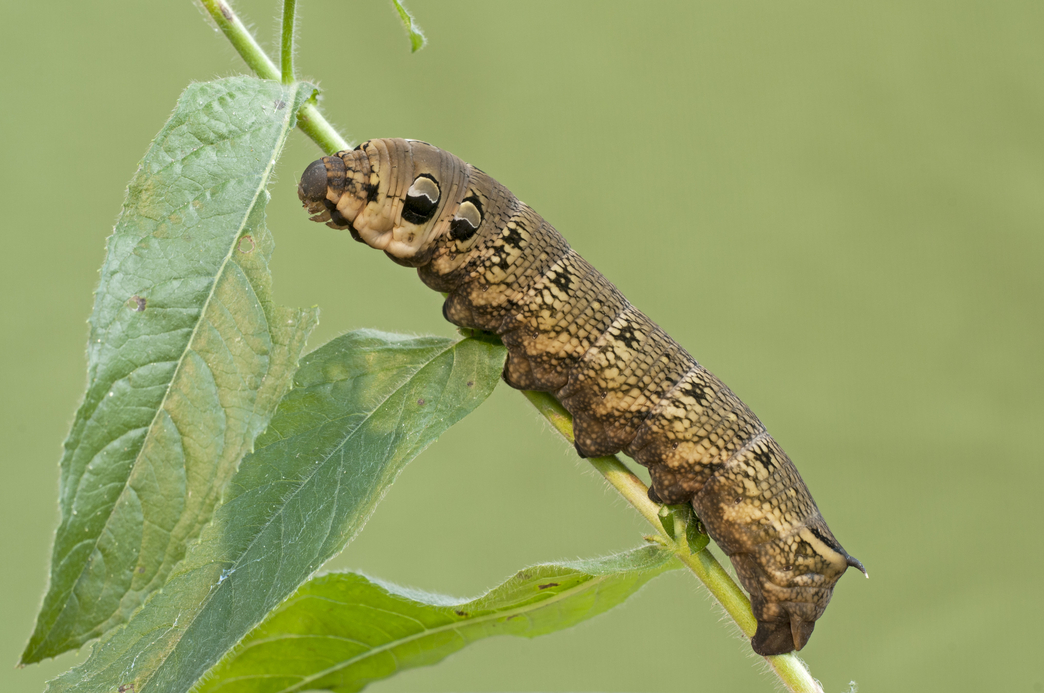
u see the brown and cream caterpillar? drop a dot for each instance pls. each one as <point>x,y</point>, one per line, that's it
<point>570,332</point>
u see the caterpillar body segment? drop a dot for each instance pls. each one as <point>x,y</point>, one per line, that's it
<point>570,332</point>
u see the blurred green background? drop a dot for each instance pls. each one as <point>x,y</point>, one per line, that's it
<point>838,210</point>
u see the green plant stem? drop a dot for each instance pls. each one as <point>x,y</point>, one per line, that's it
<point>310,121</point>
<point>790,669</point>
<point>241,39</point>
<point>286,49</point>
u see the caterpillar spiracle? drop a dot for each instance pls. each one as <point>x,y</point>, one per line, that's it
<point>570,332</point>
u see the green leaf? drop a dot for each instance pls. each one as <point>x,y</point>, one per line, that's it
<point>343,631</point>
<point>668,517</point>
<point>417,39</point>
<point>695,535</point>
<point>186,361</point>
<point>362,406</point>
<point>676,519</point>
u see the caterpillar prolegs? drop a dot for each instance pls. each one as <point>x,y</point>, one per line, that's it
<point>570,332</point>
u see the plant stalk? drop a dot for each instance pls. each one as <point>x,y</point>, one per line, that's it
<point>310,121</point>
<point>286,49</point>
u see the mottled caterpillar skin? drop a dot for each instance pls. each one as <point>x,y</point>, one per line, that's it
<point>570,332</point>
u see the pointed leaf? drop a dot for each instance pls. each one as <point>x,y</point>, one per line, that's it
<point>417,39</point>
<point>187,358</point>
<point>695,535</point>
<point>343,631</point>
<point>362,406</point>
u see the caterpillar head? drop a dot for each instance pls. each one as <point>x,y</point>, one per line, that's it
<point>395,195</point>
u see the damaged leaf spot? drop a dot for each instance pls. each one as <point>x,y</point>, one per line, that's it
<point>550,584</point>
<point>138,303</point>
<point>246,244</point>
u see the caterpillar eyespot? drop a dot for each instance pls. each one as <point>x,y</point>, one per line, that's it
<point>422,199</point>
<point>628,385</point>
<point>467,219</point>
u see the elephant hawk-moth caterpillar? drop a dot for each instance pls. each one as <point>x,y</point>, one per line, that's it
<point>570,332</point>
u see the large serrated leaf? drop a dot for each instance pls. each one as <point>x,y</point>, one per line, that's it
<point>362,406</point>
<point>187,358</point>
<point>343,631</point>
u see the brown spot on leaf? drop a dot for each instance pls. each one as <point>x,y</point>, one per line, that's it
<point>420,402</point>
<point>471,383</point>
<point>280,104</point>
<point>246,244</point>
<point>550,584</point>
<point>138,303</point>
<point>461,613</point>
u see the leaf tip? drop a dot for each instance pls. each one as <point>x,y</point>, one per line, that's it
<point>417,38</point>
